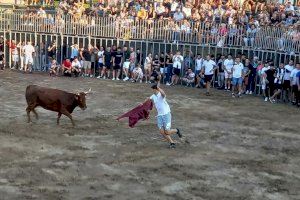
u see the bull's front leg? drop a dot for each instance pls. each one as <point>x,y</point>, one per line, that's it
<point>58,117</point>
<point>65,112</point>
<point>28,115</point>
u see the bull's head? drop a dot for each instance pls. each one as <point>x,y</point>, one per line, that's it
<point>80,97</point>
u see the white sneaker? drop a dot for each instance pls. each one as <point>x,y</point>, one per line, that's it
<point>98,76</point>
<point>141,81</point>
<point>266,99</point>
<point>250,92</point>
<point>113,79</point>
<point>247,92</point>
<point>118,79</point>
<point>104,77</point>
<point>168,84</point>
<point>126,79</point>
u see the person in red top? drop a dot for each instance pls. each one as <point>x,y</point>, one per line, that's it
<point>67,67</point>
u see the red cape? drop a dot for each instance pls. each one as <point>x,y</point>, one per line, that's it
<point>140,112</point>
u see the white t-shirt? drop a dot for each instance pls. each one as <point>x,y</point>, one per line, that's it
<point>287,74</point>
<point>199,63</point>
<point>228,63</point>
<point>237,70</point>
<point>100,56</point>
<point>28,50</point>
<point>293,76</point>
<point>177,59</point>
<point>208,67</point>
<point>161,104</point>
<point>76,64</point>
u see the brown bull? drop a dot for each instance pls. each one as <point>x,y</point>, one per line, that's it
<point>54,100</point>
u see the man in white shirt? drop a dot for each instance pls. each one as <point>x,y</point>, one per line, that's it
<point>294,82</point>
<point>100,60</point>
<point>287,80</point>
<point>76,66</point>
<point>28,55</point>
<point>228,64</point>
<point>237,77</point>
<point>163,115</point>
<point>208,68</point>
<point>177,62</point>
<point>198,68</point>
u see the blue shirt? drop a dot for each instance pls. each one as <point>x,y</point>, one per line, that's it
<point>74,53</point>
<point>298,78</point>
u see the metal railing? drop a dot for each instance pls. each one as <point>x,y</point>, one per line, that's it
<point>266,38</point>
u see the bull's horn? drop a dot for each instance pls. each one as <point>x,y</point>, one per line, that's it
<point>90,90</point>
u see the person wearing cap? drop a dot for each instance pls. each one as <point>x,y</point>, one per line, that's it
<point>163,115</point>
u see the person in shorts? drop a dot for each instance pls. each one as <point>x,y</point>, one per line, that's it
<point>189,77</point>
<point>237,77</point>
<point>117,60</point>
<point>177,65</point>
<point>287,81</point>
<point>28,56</point>
<point>100,60</point>
<point>277,83</point>
<point>163,115</point>
<point>208,69</point>
<point>228,64</point>
<point>86,56</point>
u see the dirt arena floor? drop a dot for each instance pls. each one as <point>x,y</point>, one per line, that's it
<point>239,148</point>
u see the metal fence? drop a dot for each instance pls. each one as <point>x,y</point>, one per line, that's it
<point>282,39</point>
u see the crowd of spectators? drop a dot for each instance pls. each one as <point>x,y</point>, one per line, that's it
<point>237,74</point>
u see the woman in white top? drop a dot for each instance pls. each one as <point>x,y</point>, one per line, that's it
<point>148,67</point>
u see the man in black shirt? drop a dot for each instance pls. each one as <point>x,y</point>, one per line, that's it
<point>117,60</point>
<point>139,57</point>
<point>86,56</point>
<point>270,86</point>
<point>107,63</point>
<point>221,72</point>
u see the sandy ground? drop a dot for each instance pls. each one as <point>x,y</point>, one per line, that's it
<point>239,148</point>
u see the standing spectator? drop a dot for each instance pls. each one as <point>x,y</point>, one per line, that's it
<point>298,92</point>
<point>162,62</point>
<point>228,64</point>
<point>270,86</point>
<point>287,80</point>
<point>278,82</point>
<point>100,60</point>
<point>177,65</point>
<point>148,67</point>
<point>169,67</point>
<point>221,73</point>
<point>51,53</point>
<point>86,56</point>
<point>94,63</point>
<point>117,63</point>
<point>126,63</point>
<point>263,79</point>
<point>15,55</point>
<point>132,60</point>
<point>28,55</point>
<point>74,51</point>
<point>2,61</point>
<point>237,77</point>
<point>107,63</point>
<point>21,46</point>
<point>139,57</point>
<point>198,68</point>
<point>252,76</point>
<point>246,72</point>
<point>209,67</point>
<point>294,82</point>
